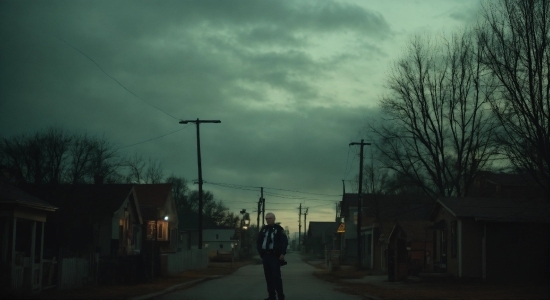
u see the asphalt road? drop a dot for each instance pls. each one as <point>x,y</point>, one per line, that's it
<point>248,283</point>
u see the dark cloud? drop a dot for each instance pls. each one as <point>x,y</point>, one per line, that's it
<point>276,73</point>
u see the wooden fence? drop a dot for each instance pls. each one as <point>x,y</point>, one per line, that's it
<point>73,273</point>
<point>187,260</point>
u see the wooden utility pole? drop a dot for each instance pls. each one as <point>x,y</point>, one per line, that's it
<point>197,123</point>
<point>261,203</point>
<point>305,225</point>
<point>263,207</point>
<point>359,200</point>
<point>300,228</point>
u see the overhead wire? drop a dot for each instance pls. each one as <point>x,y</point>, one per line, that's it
<point>114,79</point>
<point>152,139</point>
<point>129,91</point>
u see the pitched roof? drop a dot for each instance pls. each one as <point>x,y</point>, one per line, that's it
<point>153,194</point>
<point>12,195</point>
<point>496,209</point>
<point>151,197</point>
<point>394,207</point>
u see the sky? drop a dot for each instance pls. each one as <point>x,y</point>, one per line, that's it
<point>292,82</point>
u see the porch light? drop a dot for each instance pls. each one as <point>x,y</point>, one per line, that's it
<point>165,218</point>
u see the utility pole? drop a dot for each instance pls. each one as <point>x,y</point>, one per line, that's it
<point>263,207</point>
<point>261,203</point>
<point>300,228</point>
<point>359,200</point>
<point>197,123</point>
<point>305,224</point>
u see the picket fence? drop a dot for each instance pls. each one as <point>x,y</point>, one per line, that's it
<point>187,260</point>
<point>75,272</point>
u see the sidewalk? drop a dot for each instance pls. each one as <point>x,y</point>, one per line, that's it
<point>145,291</point>
<point>361,282</point>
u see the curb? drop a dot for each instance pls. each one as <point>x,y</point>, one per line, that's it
<point>175,287</point>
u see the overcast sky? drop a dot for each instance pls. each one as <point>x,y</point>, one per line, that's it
<point>293,83</point>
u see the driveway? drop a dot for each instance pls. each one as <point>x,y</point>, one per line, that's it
<point>248,283</point>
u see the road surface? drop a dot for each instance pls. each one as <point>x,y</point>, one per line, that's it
<point>248,282</point>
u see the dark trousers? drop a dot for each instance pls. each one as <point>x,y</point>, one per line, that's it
<point>272,272</point>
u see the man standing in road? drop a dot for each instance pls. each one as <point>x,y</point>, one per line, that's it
<point>271,244</point>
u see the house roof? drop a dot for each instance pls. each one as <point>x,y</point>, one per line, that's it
<point>92,200</point>
<point>153,194</point>
<point>496,209</point>
<point>12,195</point>
<point>151,197</point>
<point>317,229</point>
<point>394,207</point>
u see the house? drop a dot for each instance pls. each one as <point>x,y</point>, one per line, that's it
<point>22,221</point>
<point>497,239</point>
<point>347,240</point>
<point>382,215</point>
<point>320,237</point>
<point>220,241</point>
<point>160,217</point>
<point>101,219</point>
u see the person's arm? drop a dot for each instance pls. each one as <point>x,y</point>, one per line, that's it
<point>284,245</point>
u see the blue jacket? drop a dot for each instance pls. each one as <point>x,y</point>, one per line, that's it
<point>280,241</point>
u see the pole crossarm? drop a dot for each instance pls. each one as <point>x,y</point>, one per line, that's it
<point>197,123</point>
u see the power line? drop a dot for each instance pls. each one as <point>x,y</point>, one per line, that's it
<point>152,139</point>
<point>255,189</point>
<point>114,79</point>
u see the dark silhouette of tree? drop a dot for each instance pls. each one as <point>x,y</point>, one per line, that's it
<point>54,156</point>
<point>515,42</point>
<point>80,157</point>
<point>437,130</point>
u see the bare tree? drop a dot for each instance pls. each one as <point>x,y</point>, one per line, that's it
<point>438,131</point>
<point>80,153</point>
<point>136,166</point>
<point>56,144</point>
<point>105,163</point>
<point>154,173</point>
<point>515,42</point>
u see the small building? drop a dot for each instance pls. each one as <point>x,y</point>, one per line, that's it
<point>220,241</point>
<point>500,239</point>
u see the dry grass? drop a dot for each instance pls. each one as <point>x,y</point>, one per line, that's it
<point>441,289</point>
<point>129,291</point>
